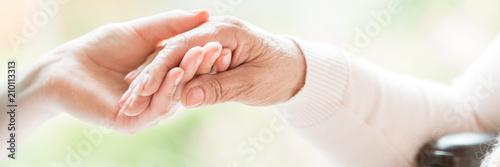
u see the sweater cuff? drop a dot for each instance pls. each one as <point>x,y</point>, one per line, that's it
<point>327,76</point>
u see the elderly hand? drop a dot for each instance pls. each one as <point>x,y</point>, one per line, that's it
<point>86,78</point>
<point>265,68</point>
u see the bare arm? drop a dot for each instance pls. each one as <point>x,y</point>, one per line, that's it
<point>29,109</point>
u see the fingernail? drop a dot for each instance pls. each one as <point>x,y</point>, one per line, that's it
<point>199,60</point>
<point>196,96</point>
<point>125,106</point>
<point>215,55</point>
<point>124,97</point>
<point>141,86</point>
<point>177,81</point>
<point>130,74</point>
<point>131,103</point>
<point>179,78</point>
<point>226,59</point>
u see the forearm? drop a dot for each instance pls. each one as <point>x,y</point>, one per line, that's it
<point>29,107</point>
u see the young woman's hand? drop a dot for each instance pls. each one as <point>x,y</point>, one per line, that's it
<point>86,79</point>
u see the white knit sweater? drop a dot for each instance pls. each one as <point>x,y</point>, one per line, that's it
<point>361,115</point>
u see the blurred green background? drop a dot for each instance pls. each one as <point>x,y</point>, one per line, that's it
<point>432,39</point>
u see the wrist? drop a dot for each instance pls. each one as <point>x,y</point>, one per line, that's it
<point>32,108</point>
<point>36,83</point>
<point>298,64</point>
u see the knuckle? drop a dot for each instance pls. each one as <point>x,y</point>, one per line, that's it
<point>230,20</point>
<point>109,27</point>
<point>227,23</point>
<point>177,40</point>
<point>160,58</point>
<point>180,40</point>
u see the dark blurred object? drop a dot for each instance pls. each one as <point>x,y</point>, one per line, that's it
<point>456,150</point>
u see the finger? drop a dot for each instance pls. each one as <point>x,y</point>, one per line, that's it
<point>177,46</point>
<point>125,97</point>
<point>139,79</point>
<point>162,99</point>
<point>133,74</point>
<point>160,65</point>
<point>135,123</point>
<point>222,63</point>
<point>212,52</point>
<point>217,88</point>
<point>191,68</point>
<point>162,26</point>
<point>190,62</point>
<point>175,105</point>
<point>135,103</point>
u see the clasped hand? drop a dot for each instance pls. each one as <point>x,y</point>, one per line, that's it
<point>121,76</point>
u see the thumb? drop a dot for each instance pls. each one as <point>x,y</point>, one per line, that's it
<point>162,26</point>
<point>209,89</point>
